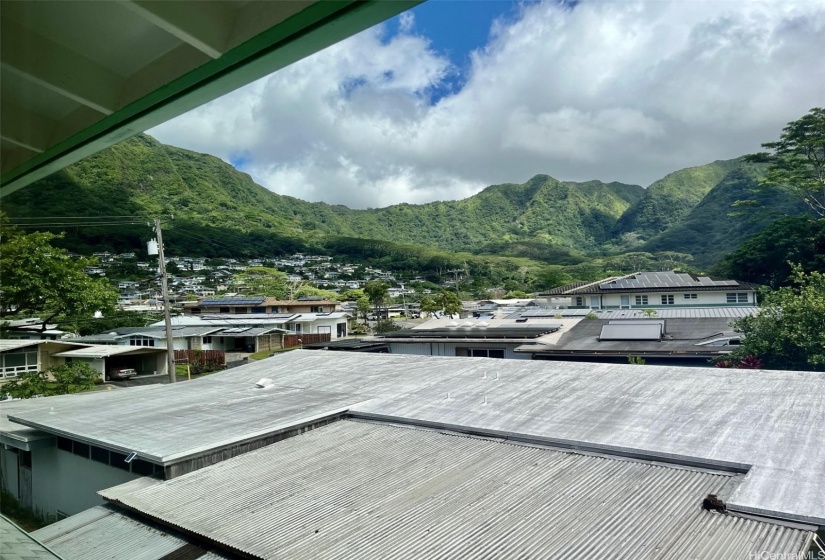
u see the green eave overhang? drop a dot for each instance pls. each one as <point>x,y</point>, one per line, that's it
<point>314,28</point>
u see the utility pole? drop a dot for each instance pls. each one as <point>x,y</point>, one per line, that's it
<point>170,344</point>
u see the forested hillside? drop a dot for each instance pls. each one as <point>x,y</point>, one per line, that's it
<point>714,227</point>
<point>141,176</point>
<point>219,211</point>
<point>670,199</point>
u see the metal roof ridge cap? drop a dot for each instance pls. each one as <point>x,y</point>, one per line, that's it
<point>573,445</point>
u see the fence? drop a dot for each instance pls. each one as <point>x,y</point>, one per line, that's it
<point>292,340</point>
<point>201,360</point>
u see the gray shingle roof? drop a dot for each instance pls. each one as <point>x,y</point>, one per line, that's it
<point>17,544</point>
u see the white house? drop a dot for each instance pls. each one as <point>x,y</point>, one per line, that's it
<point>658,290</point>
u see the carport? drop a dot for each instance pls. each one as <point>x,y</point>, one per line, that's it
<point>103,358</point>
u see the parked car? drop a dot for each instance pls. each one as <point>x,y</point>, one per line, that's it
<point>122,373</point>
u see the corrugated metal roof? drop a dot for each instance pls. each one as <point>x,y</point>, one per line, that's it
<point>773,420</point>
<point>361,490</point>
<point>101,533</point>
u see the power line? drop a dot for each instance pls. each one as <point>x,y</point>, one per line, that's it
<point>131,216</point>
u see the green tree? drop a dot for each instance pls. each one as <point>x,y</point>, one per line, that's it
<point>40,280</point>
<point>362,307</point>
<point>261,281</point>
<point>765,257</point>
<point>516,294</point>
<point>551,277</point>
<point>312,291</point>
<point>797,161</point>
<point>448,302</point>
<point>74,377</point>
<point>386,325</point>
<point>428,305</point>
<point>789,331</point>
<point>352,295</point>
<point>377,292</point>
<point>26,385</point>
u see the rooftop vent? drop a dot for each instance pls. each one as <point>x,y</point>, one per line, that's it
<point>468,324</point>
<point>483,324</point>
<point>452,324</point>
<point>264,383</point>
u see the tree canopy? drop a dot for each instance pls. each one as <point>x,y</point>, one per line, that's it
<point>797,160</point>
<point>40,280</point>
<point>789,331</point>
<point>262,281</point>
<point>765,257</point>
<point>64,379</point>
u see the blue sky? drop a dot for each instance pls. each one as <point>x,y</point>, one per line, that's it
<point>613,90</point>
<point>455,28</point>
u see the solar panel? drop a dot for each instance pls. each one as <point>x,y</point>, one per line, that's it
<point>631,332</point>
<point>637,322</point>
<point>236,330</point>
<point>234,301</point>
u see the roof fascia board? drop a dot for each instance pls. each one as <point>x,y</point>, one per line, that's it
<point>309,31</point>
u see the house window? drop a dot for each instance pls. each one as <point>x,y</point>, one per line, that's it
<point>207,340</point>
<point>486,353</point>
<point>316,309</point>
<point>196,311</point>
<point>641,300</point>
<point>241,310</point>
<point>325,330</point>
<point>738,297</point>
<point>579,301</point>
<point>259,310</point>
<point>667,299</point>
<point>14,362</point>
<point>223,310</point>
<point>141,341</point>
<point>690,296</point>
<point>26,459</point>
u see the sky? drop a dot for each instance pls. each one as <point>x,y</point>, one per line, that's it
<point>456,95</point>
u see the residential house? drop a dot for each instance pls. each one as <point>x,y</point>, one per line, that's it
<point>687,336</point>
<point>494,338</point>
<point>258,305</point>
<point>32,329</point>
<point>18,356</point>
<point>658,290</point>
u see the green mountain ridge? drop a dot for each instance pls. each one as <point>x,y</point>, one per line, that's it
<point>714,227</point>
<point>220,211</point>
<point>141,176</point>
<point>670,199</point>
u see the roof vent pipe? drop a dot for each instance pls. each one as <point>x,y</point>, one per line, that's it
<point>264,383</point>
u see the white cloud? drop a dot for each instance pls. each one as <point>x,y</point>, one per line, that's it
<point>625,91</point>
